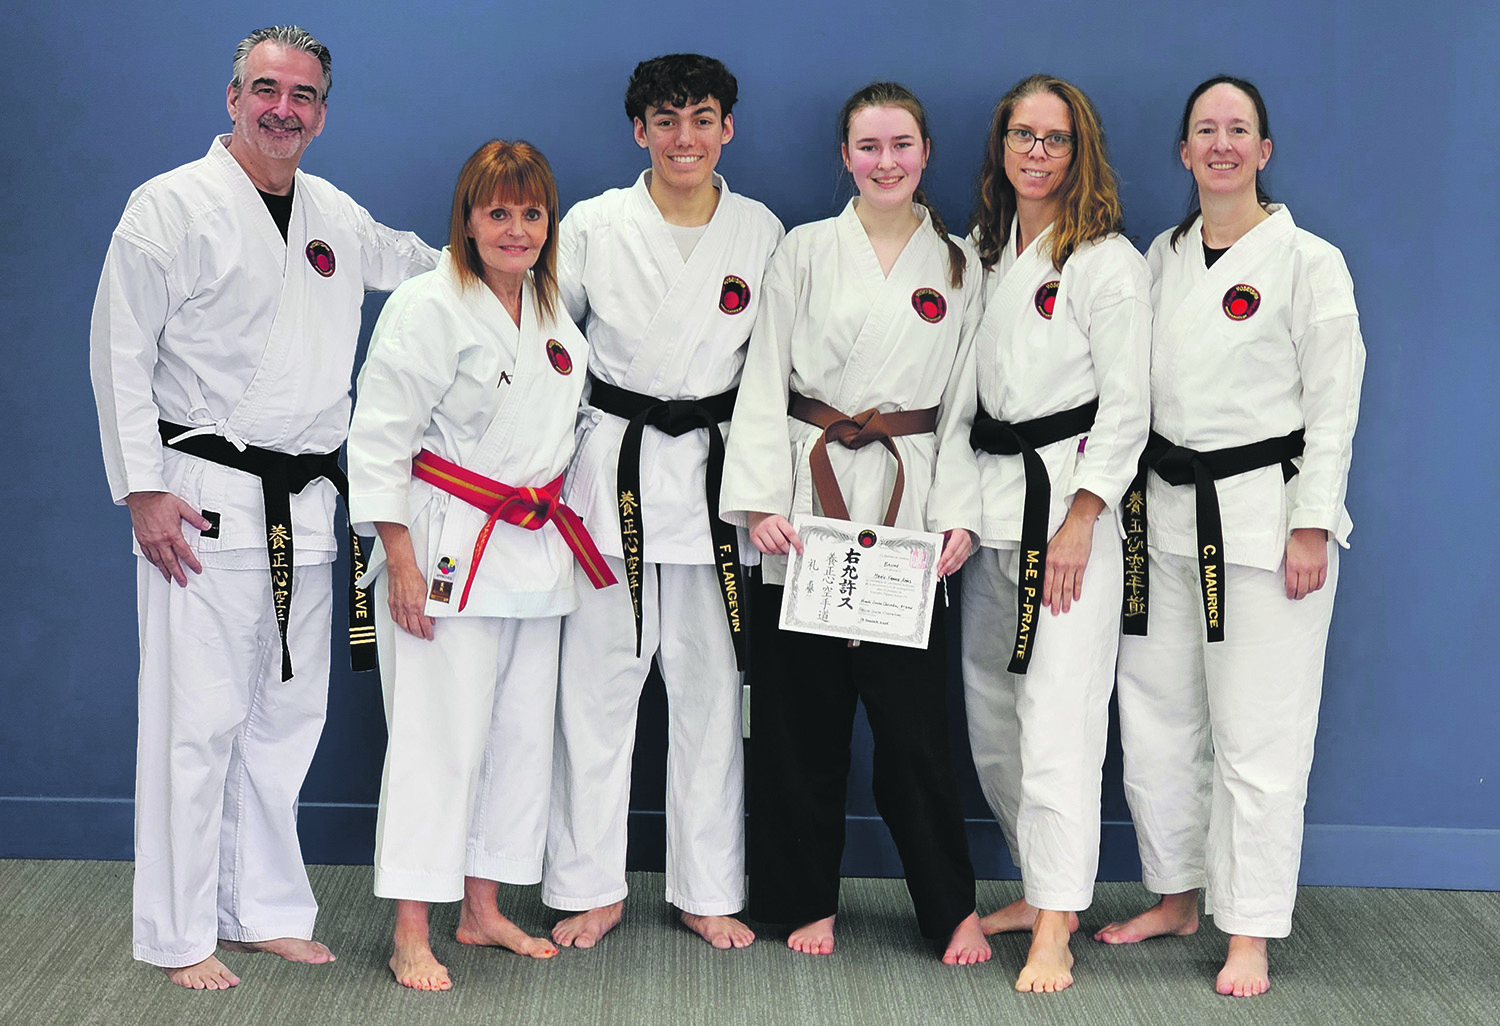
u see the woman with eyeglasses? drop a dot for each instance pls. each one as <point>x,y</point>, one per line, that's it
<point>1256,363</point>
<point>1062,357</point>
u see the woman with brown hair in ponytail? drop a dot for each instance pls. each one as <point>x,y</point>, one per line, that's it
<point>1063,357</point>
<point>1256,363</point>
<point>866,319</point>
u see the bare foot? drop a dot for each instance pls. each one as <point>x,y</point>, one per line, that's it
<point>293,949</point>
<point>412,962</point>
<point>723,932</point>
<point>1018,915</point>
<point>814,938</point>
<point>1246,972</point>
<point>1049,964</point>
<point>587,928</point>
<point>209,974</point>
<point>1176,915</point>
<point>967,946</point>
<point>415,966</point>
<point>491,929</point>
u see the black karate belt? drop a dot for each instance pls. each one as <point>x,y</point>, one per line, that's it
<point>674,417</point>
<point>1178,466</point>
<point>1024,439</point>
<point>282,475</point>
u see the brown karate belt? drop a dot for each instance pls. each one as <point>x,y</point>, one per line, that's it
<point>856,432</point>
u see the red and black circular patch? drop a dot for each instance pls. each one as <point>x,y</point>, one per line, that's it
<point>558,356</point>
<point>320,255</point>
<point>929,304</point>
<point>735,295</point>
<point>1240,302</point>
<point>866,539</point>
<point>1046,299</point>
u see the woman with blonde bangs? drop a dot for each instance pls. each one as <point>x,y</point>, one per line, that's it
<point>1062,355</point>
<point>866,319</point>
<point>461,433</point>
<point>1256,363</point>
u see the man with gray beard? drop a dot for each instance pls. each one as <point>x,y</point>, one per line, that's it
<point>221,348</point>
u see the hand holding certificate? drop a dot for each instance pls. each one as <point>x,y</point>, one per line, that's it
<point>862,581</point>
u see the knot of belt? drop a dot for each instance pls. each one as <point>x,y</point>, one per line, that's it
<point>1024,439</point>
<point>856,432</point>
<point>283,475</point>
<point>674,417</point>
<point>528,507</point>
<point>1178,465</point>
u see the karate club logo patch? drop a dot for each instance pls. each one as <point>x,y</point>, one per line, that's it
<point>866,539</point>
<point>447,566</point>
<point>1240,302</point>
<point>558,357</point>
<point>1046,299</point>
<point>929,305</point>
<point>320,255</point>
<point>735,295</point>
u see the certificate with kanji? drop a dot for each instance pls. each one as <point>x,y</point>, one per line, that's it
<point>861,581</point>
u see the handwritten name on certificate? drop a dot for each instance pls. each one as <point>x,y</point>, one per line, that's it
<point>861,581</point>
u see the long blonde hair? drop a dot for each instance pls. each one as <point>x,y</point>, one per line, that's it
<point>1089,201</point>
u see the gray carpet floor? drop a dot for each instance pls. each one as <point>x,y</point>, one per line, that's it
<point>1367,957</point>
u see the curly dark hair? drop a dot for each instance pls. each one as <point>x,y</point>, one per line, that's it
<point>677,80</point>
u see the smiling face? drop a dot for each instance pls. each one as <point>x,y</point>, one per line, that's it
<point>508,238</point>
<point>279,108</point>
<point>684,143</point>
<point>1037,176</point>
<point>885,152</point>
<point>1224,146</point>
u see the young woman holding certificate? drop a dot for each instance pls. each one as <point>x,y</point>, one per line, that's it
<point>856,402</point>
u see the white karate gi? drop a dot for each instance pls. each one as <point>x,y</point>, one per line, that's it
<point>1038,739</point>
<point>661,326</point>
<point>1218,738</point>
<point>836,329</point>
<point>470,713</point>
<point>206,317</point>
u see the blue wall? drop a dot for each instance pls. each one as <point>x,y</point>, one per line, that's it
<point>1386,144</point>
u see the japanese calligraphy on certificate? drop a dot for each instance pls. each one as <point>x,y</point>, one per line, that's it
<point>862,582</point>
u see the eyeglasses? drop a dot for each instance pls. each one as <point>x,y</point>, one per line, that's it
<point>1055,144</point>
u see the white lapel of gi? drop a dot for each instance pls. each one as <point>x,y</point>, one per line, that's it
<point>1199,289</point>
<point>268,389</point>
<point>919,266</point>
<point>1024,315</point>
<point>526,350</point>
<point>682,317</point>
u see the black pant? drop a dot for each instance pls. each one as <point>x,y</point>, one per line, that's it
<point>803,693</point>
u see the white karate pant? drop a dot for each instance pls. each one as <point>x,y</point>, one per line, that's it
<point>468,765</point>
<point>1038,740</point>
<point>223,746</point>
<point>598,693</point>
<point>1218,738</point>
